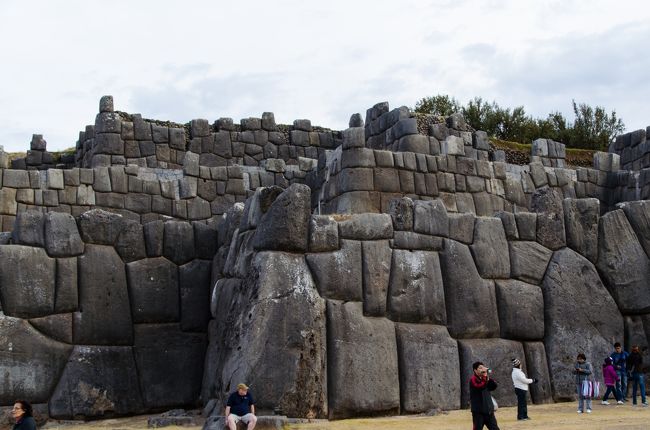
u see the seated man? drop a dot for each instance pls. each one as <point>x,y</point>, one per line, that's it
<point>240,407</point>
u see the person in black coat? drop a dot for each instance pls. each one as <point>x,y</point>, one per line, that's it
<point>480,387</point>
<point>22,413</point>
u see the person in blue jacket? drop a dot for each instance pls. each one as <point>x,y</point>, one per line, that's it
<point>22,413</point>
<point>619,358</point>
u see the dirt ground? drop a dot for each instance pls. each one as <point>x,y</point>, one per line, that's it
<point>559,416</point>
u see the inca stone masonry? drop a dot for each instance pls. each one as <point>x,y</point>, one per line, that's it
<point>339,273</point>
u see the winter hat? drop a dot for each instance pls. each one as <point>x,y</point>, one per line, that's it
<point>516,362</point>
<point>608,361</point>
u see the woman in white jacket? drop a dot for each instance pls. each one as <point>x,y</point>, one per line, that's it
<point>521,384</point>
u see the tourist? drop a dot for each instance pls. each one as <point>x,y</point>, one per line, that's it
<point>240,407</point>
<point>583,372</point>
<point>482,406</point>
<point>635,366</point>
<point>521,384</point>
<point>22,413</point>
<point>619,357</point>
<point>611,378</point>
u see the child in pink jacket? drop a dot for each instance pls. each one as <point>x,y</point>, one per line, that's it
<point>610,377</point>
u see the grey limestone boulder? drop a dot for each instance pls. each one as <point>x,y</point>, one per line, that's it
<point>338,274</point>
<point>31,362</point>
<point>461,227</point>
<point>495,354</point>
<point>277,337</point>
<point>579,312</point>
<point>205,240</point>
<point>490,248</point>
<point>376,269</point>
<point>57,327</point>
<point>130,244</point>
<point>323,233</point>
<point>623,263</point>
<point>173,377</point>
<point>153,237</point>
<point>416,293</point>
<point>285,226</point>
<point>430,217</point>
<point>62,238</point>
<point>97,381</point>
<point>366,226</point>
<point>401,212</point>
<point>521,310</point>
<point>638,214</point>
<point>29,228</point>
<point>27,281</point>
<point>470,300</point>
<point>105,311</point>
<point>528,261</point>
<point>194,285</point>
<point>547,203</point>
<point>257,205</point>
<point>178,242</point>
<point>581,222</point>
<point>509,224</point>
<point>537,367</point>
<point>429,368</point>
<point>153,290</point>
<point>358,382</point>
<point>526,225</point>
<point>67,297</point>
<point>100,227</point>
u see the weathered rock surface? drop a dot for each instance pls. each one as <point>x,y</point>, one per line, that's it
<point>638,214</point>
<point>194,287</point>
<point>581,222</point>
<point>490,248</point>
<point>470,300</point>
<point>578,311</point>
<point>178,242</point>
<point>27,281</point>
<point>285,226</point>
<point>623,263</point>
<point>428,368</point>
<point>153,290</point>
<point>29,228</point>
<point>547,203</point>
<point>528,261</point>
<point>359,383</point>
<point>338,274</point>
<point>57,327</point>
<point>62,238</point>
<point>100,227</point>
<point>430,217</point>
<point>521,310</point>
<point>416,293</point>
<point>323,234</point>
<point>97,381</point>
<point>376,269</point>
<point>31,362</point>
<point>537,367</point>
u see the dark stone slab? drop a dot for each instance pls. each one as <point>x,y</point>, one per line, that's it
<point>490,248</point>
<point>67,296</point>
<point>153,237</point>
<point>130,244</point>
<point>537,367</point>
<point>194,282</point>
<point>100,227</point>
<point>153,290</point>
<point>323,234</point>
<point>430,217</point>
<point>366,226</point>
<point>29,228</point>
<point>581,222</point>
<point>57,327</point>
<point>376,264</point>
<point>547,203</point>
<point>521,310</point>
<point>178,242</point>
<point>338,274</point>
<point>528,261</point>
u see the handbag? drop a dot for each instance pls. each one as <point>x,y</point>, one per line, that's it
<point>590,389</point>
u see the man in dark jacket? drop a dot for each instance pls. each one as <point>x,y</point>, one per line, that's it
<point>480,386</point>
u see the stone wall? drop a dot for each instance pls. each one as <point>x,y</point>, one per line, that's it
<point>634,149</point>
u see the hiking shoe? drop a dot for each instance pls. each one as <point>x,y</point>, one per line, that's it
<point>588,411</point>
<point>645,404</point>
<point>579,411</point>
<point>620,402</point>
<point>604,402</point>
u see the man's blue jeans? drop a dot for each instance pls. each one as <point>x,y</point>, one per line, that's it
<point>621,386</point>
<point>637,379</point>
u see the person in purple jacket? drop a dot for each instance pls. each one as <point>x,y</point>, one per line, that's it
<point>611,378</point>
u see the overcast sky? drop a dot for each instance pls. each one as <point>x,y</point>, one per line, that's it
<point>325,60</point>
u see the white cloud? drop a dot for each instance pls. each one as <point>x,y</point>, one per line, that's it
<point>179,60</point>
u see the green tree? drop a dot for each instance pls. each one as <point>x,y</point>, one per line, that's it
<point>594,128</point>
<point>442,105</point>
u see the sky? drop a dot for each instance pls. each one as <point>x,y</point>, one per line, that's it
<point>181,60</point>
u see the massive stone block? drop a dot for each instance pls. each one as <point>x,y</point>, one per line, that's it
<point>194,282</point>
<point>547,202</point>
<point>323,234</point>
<point>581,222</point>
<point>623,263</point>
<point>416,293</point>
<point>578,312</point>
<point>100,227</point>
<point>97,381</point>
<point>638,214</point>
<point>27,281</point>
<point>521,310</point>
<point>376,264</point>
<point>537,367</point>
<point>277,337</point>
<point>29,228</point>
<point>67,297</point>
<point>366,227</point>
<point>430,217</point>
<point>495,354</point>
<point>471,301</point>
<point>490,248</point>
<point>359,383</point>
<point>62,238</point>
<point>153,290</point>
<point>178,242</point>
<point>285,226</point>
<point>429,368</point>
<point>528,261</point>
<point>170,364</point>
<point>57,327</point>
<point>31,362</point>
<point>338,274</point>
<point>104,316</point>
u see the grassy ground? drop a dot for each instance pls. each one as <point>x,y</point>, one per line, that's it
<point>559,416</point>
